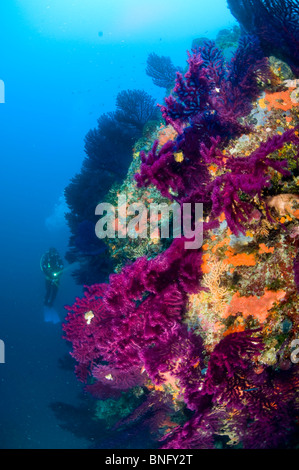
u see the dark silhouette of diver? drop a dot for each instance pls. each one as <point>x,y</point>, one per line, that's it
<point>52,266</point>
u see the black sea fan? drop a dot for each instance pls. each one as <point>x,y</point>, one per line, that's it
<point>108,154</point>
<point>109,146</point>
<point>275,22</point>
<point>135,108</point>
<point>161,70</point>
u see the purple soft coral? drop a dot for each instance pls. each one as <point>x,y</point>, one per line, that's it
<point>140,308</point>
<point>257,407</point>
<point>244,175</point>
<point>132,330</point>
<point>215,95</point>
<point>229,361</point>
<point>208,103</point>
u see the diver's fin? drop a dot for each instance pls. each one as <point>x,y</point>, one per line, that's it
<point>50,315</point>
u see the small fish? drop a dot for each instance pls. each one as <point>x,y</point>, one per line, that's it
<point>250,389</point>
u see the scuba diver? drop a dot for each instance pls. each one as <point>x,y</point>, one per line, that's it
<point>52,266</point>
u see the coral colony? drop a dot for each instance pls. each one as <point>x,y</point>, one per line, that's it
<point>200,342</point>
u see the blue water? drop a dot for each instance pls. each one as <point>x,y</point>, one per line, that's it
<point>63,62</point>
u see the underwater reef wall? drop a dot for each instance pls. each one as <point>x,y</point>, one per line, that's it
<point>203,338</point>
<point>108,153</point>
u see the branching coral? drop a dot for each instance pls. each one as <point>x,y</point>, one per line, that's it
<point>231,383</point>
<point>152,301</point>
<point>216,94</point>
<point>207,104</point>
